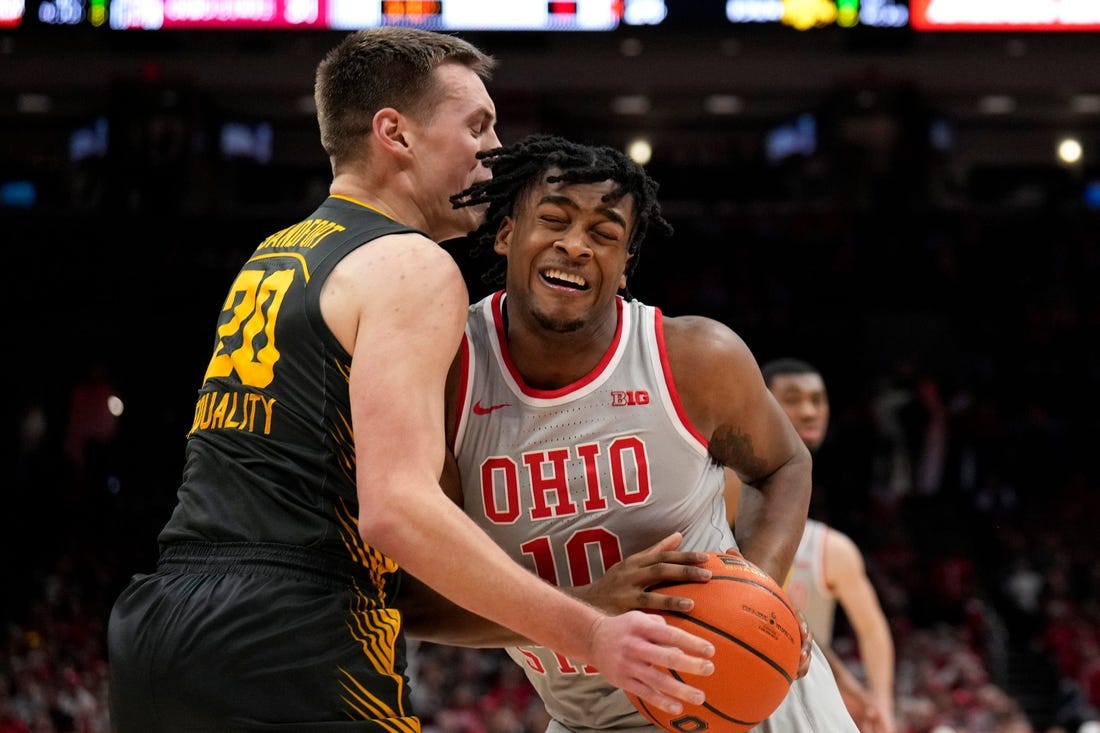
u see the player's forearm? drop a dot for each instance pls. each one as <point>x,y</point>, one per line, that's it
<point>433,540</point>
<point>428,616</point>
<point>880,680</point>
<point>773,528</point>
<point>877,652</point>
<point>479,633</point>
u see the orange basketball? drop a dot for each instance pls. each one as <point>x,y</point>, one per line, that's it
<point>754,629</point>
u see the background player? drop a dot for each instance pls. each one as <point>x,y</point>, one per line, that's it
<point>828,566</point>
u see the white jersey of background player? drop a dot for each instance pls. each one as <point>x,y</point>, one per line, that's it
<point>806,584</point>
<point>586,427</point>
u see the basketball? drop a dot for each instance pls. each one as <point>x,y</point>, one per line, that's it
<point>754,629</point>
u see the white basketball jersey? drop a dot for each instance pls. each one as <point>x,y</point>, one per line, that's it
<point>806,585</point>
<point>572,480</point>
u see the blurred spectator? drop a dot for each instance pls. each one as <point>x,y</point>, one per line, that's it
<point>463,712</point>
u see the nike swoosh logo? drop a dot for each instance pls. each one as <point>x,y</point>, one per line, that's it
<point>479,410</point>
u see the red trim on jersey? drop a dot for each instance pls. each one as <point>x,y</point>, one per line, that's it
<point>463,383</point>
<point>827,590</point>
<point>498,323</point>
<point>502,339</point>
<point>673,393</point>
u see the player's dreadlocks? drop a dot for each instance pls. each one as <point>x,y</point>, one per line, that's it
<point>519,167</point>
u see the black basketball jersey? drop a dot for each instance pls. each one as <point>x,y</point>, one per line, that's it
<point>270,457</point>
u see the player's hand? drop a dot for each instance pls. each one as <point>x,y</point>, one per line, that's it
<point>861,706</point>
<point>625,585</point>
<point>807,645</point>
<point>636,651</point>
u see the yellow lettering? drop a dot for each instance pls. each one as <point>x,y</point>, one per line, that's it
<point>310,234</point>
<point>303,235</point>
<point>217,419</point>
<point>248,412</point>
<point>229,421</point>
<point>269,411</point>
<point>322,232</point>
<point>200,412</point>
<point>234,410</point>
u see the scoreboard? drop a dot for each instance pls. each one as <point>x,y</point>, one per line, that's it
<point>1001,15</point>
<point>351,14</point>
<point>458,15</point>
<point>555,15</point>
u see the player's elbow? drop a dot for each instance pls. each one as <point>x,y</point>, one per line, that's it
<point>379,528</point>
<point>390,503</point>
<point>383,523</point>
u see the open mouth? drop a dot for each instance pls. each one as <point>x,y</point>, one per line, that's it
<point>560,278</point>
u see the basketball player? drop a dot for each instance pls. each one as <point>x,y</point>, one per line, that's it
<point>587,427</point>
<point>312,467</point>
<point>828,567</point>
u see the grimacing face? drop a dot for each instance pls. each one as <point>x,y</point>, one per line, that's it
<point>567,252</point>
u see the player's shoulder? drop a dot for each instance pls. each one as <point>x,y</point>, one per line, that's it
<point>412,248</point>
<point>700,332</point>
<point>696,345</point>
<point>408,256</point>
<point>406,268</point>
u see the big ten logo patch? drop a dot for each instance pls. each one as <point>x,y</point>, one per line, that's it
<point>625,397</point>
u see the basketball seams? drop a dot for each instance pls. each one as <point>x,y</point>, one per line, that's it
<point>736,618</point>
<point>736,640</point>
<point>771,586</point>
<point>763,586</point>
<point>736,721</point>
<point>747,581</point>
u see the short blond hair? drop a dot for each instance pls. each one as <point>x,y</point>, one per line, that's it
<point>389,66</point>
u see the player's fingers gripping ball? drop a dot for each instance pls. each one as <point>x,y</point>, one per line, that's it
<point>754,629</point>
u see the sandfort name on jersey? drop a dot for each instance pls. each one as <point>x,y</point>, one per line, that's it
<point>303,235</point>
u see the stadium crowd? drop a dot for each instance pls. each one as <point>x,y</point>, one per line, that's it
<point>962,361</point>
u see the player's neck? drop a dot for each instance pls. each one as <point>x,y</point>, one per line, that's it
<point>551,358</point>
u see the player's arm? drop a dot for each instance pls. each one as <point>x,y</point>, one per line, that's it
<point>724,395</point>
<point>429,616</point>
<point>404,301</point>
<point>857,698</point>
<point>732,496</point>
<point>846,576</point>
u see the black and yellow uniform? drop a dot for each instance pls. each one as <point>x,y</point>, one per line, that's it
<point>267,519</point>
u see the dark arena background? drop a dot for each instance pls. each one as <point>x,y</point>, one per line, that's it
<point>906,194</point>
